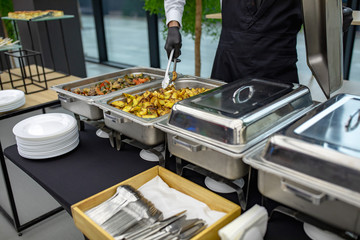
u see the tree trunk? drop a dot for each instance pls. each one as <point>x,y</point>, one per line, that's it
<point>198,16</point>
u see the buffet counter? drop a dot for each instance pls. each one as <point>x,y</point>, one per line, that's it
<point>94,166</point>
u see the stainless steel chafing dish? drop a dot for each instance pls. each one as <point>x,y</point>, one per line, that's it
<point>143,129</point>
<point>83,105</point>
<point>214,130</point>
<point>313,165</point>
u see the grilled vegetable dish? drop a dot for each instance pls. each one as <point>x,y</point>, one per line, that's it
<point>156,103</point>
<point>112,85</point>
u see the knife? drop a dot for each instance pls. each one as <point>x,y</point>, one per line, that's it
<point>166,81</point>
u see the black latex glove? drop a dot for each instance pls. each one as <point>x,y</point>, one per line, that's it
<point>173,41</point>
<point>347,18</point>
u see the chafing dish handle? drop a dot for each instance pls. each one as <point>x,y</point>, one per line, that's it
<point>314,198</point>
<point>114,119</point>
<point>353,121</point>
<point>66,99</point>
<point>188,146</point>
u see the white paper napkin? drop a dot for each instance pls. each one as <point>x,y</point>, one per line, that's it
<point>170,201</point>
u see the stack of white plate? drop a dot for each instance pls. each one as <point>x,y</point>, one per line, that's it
<point>46,135</point>
<point>11,99</point>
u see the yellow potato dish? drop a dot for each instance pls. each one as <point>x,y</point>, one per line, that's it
<point>156,103</point>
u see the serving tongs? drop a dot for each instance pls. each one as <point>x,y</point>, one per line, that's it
<point>165,83</point>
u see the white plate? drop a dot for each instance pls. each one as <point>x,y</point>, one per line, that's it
<point>50,155</point>
<point>221,187</point>
<point>44,126</point>
<point>47,147</point>
<point>47,152</point>
<point>10,96</point>
<point>318,234</point>
<point>13,106</point>
<point>48,142</point>
<point>102,134</point>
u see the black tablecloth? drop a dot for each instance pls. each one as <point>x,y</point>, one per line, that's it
<point>94,166</point>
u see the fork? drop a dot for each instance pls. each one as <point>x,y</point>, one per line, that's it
<point>124,194</point>
<point>150,230</point>
<point>172,229</point>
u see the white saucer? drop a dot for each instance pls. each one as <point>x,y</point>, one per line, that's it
<point>102,134</point>
<point>13,106</point>
<point>148,156</point>
<point>48,147</point>
<point>45,126</point>
<point>45,152</point>
<point>10,96</point>
<point>50,155</point>
<point>221,187</point>
<point>318,234</point>
<point>151,157</point>
<point>49,142</point>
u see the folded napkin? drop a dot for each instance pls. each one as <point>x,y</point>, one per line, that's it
<point>170,201</point>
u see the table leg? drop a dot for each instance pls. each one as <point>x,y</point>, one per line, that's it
<point>31,37</point>
<point>64,45</point>
<point>50,47</point>
<point>15,219</point>
<point>7,61</point>
<point>23,72</point>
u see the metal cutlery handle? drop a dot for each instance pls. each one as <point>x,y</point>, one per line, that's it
<point>196,229</point>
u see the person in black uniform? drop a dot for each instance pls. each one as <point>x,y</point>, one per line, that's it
<point>258,38</point>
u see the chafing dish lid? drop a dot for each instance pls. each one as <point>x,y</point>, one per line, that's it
<point>240,98</point>
<point>336,124</point>
<point>323,144</point>
<point>240,111</point>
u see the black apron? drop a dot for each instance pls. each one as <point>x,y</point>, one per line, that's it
<point>259,43</point>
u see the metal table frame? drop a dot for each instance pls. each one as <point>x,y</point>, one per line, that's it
<point>15,219</point>
<point>45,20</point>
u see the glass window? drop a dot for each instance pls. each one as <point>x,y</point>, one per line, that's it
<point>88,30</point>
<point>126,32</point>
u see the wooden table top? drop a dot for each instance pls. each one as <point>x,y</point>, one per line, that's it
<point>37,98</point>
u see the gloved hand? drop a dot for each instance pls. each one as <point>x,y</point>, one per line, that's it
<point>347,18</point>
<point>173,41</point>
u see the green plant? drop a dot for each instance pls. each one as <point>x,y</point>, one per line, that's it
<point>6,6</point>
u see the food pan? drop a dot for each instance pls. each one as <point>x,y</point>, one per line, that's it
<point>215,129</point>
<point>143,129</point>
<point>313,165</point>
<point>83,105</point>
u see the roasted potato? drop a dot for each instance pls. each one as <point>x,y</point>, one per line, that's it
<point>156,103</point>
